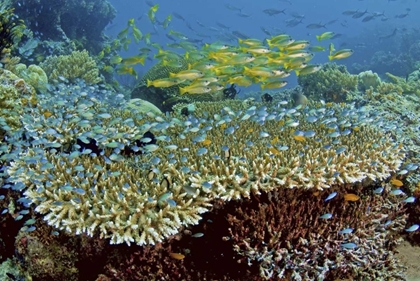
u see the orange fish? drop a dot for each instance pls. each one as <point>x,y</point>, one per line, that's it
<point>273,151</point>
<point>351,197</point>
<point>177,256</point>
<point>206,142</point>
<point>47,114</point>
<point>299,138</point>
<point>396,182</point>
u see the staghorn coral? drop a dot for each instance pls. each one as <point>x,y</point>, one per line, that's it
<point>303,246</point>
<point>77,65</point>
<point>145,199</point>
<point>332,83</point>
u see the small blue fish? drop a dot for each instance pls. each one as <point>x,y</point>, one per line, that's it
<point>340,150</point>
<point>346,231</point>
<point>378,190</point>
<point>326,216</point>
<point>80,191</point>
<point>229,130</point>
<point>311,119</point>
<point>309,134</point>
<point>30,229</point>
<point>345,132</point>
<point>333,134</point>
<point>413,228</point>
<point>410,199</point>
<point>201,151</point>
<point>264,134</point>
<point>206,184</point>
<point>387,223</point>
<point>197,235</point>
<point>18,218</point>
<point>397,192</point>
<point>331,196</point>
<point>349,245</point>
<point>171,202</point>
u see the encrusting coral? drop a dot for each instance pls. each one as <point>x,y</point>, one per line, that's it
<point>186,164</point>
<point>77,65</point>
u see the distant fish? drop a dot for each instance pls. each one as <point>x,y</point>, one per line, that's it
<point>272,12</point>
<point>349,13</point>
<point>315,26</point>
<point>359,14</point>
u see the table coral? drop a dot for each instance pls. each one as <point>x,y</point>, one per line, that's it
<point>145,199</point>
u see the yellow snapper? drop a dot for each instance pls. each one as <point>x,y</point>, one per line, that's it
<point>341,54</point>
<point>187,74</point>
<point>164,82</point>
<point>194,90</point>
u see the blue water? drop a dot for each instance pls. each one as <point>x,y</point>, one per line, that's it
<point>362,37</point>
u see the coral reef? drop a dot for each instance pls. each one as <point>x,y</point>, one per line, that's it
<point>367,80</point>
<point>77,65</point>
<point>332,83</point>
<point>95,191</point>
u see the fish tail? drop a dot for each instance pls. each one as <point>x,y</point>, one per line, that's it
<point>318,37</point>
<point>330,57</point>
<point>149,83</point>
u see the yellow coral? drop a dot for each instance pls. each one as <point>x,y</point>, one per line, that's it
<point>34,75</point>
<point>77,65</point>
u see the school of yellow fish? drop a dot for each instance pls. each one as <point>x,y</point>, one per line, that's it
<point>251,61</point>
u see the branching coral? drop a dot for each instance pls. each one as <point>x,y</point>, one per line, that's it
<point>286,236</point>
<point>77,65</point>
